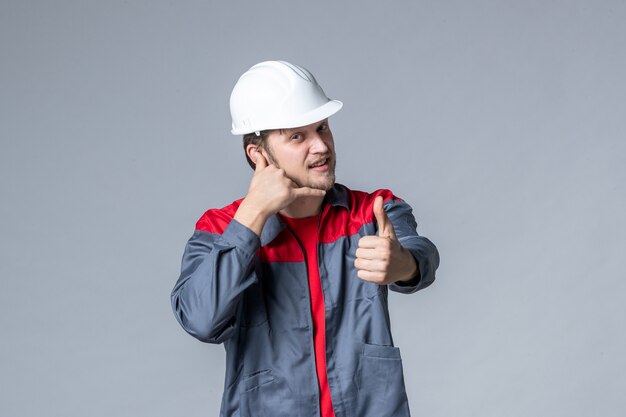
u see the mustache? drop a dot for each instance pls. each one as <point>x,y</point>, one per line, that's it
<point>327,158</point>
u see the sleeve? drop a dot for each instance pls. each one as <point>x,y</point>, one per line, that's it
<point>422,249</point>
<point>216,269</point>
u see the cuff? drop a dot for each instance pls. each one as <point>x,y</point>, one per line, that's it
<point>242,237</point>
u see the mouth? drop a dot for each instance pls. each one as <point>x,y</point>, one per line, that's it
<point>320,165</point>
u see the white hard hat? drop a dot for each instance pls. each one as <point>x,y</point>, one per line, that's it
<point>277,95</point>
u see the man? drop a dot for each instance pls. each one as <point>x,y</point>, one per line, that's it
<point>293,278</point>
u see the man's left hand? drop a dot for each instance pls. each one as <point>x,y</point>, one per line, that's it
<point>382,259</point>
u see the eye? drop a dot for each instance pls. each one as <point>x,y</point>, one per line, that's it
<point>322,128</point>
<point>296,136</point>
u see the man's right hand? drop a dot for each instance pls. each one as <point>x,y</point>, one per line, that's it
<point>270,191</point>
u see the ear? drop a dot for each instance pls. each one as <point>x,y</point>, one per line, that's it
<point>252,149</point>
<point>251,152</point>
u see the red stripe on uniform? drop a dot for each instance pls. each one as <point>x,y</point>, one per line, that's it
<point>342,223</point>
<point>334,225</point>
<point>217,220</point>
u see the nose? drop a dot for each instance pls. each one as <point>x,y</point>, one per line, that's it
<point>318,144</point>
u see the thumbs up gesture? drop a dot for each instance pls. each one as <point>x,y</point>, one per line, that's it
<point>382,259</point>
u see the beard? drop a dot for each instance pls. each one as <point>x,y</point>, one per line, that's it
<point>327,180</point>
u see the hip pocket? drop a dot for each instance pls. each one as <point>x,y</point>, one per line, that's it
<point>380,382</point>
<point>265,395</point>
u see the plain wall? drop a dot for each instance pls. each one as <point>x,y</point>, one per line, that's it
<point>501,122</point>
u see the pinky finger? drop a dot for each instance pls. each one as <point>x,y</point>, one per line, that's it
<point>309,192</point>
<point>375,277</point>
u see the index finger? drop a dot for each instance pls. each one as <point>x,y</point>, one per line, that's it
<point>369,242</point>
<point>260,161</point>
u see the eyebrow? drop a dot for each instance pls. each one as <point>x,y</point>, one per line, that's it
<point>292,130</point>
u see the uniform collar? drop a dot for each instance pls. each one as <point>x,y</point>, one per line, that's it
<point>338,196</point>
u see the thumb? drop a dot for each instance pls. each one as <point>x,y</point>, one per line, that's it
<point>385,228</point>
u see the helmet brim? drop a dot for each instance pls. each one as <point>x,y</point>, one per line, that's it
<point>320,113</point>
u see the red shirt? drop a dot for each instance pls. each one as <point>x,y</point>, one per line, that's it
<point>306,231</point>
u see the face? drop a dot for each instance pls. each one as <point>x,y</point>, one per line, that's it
<point>307,154</point>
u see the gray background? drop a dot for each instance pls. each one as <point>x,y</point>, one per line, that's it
<point>501,122</point>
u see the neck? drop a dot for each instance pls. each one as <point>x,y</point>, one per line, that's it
<point>303,207</point>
